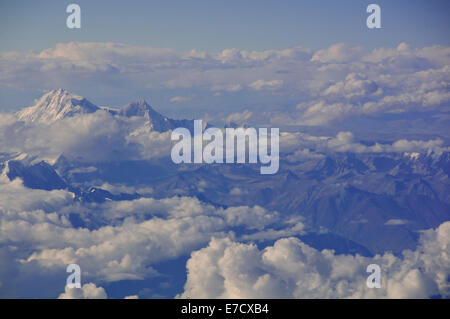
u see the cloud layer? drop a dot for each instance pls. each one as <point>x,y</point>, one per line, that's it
<point>292,269</point>
<point>323,86</point>
<point>124,240</point>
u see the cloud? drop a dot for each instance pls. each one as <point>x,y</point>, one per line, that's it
<point>299,146</point>
<point>87,291</point>
<point>354,88</point>
<point>113,253</point>
<point>266,85</point>
<point>396,222</point>
<point>125,240</point>
<point>227,88</point>
<point>292,269</point>
<point>94,137</point>
<point>236,191</point>
<point>329,85</point>
<point>181,99</point>
<point>239,118</point>
<point>321,113</point>
<point>303,155</point>
<point>338,53</point>
<point>15,197</point>
<point>344,142</point>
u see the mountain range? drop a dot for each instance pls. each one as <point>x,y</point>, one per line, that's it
<point>59,104</point>
<point>375,201</point>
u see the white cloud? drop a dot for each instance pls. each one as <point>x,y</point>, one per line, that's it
<point>320,113</point>
<point>227,87</point>
<point>259,85</point>
<point>338,82</point>
<point>236,191</point>
<point>181,99</point>
<point>239,118</point>
<point>36,236</point>
<point>92,137</point>
<point>301,145</point>
<point>15,197</point>
<point>292,269</point>
<point>139,233</point>
<point>87,291</point>
<point>354,88</point>
<point>338,53</point>
<point>114,253</point>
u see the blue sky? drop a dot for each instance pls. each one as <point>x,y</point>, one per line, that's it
<point>217,25</point>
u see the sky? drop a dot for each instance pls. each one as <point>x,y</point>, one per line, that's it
<point>217,25</point>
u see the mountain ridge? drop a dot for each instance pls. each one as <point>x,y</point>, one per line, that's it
<point>55,105</point>
<point>59,104</point>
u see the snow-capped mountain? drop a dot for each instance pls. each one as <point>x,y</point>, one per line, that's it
<point>59,104</point>
<point>55,105</point>
<point>378,201</point>
<point>154,120</point>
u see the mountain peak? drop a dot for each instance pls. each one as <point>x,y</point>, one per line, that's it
<point>154,120</point>
<point>137,108</point>
<point>58,91</point>
<point>55,105</point>
<point>59,104</point>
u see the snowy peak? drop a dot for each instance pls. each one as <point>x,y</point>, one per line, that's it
<point>55,105</point>
<point>59,104</point>
<point>154,120</point>
<point>139,108</point>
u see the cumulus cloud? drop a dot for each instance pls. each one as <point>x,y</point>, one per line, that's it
<point>15,197</point>
<point>301,146</point>
<point>353,88</point>
<point>128,239</point>
<point>94,137</point>
<point>338,53</point>
<point>292,269</point>
<point>115,252</point>
<point>266,85</point>
<point>87,291</point>
<point>319,113</point>
<point>239,118</point>
<point>328,85</point>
